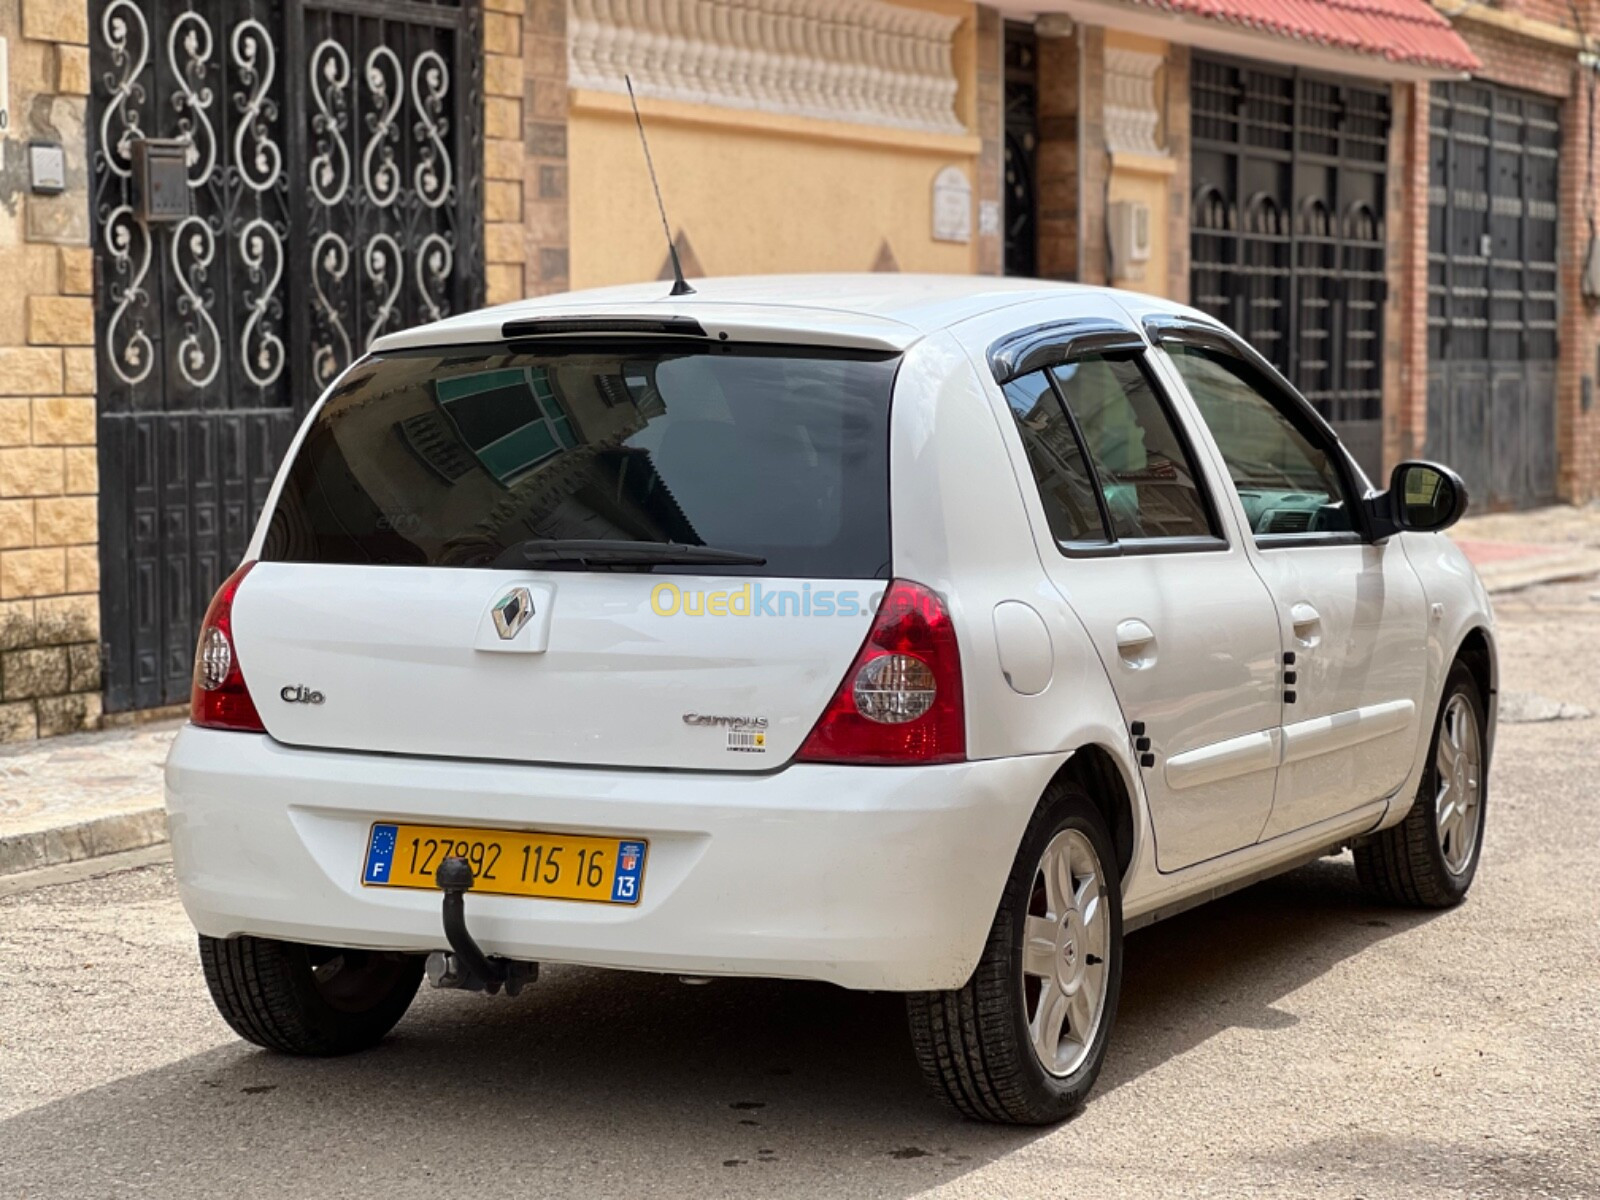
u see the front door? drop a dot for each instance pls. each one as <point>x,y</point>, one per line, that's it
<point>328,151</point>
<point>1352,613</point>
<point>1131,536</point>
<point>1354,618</point>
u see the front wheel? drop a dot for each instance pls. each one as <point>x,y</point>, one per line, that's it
<point>1430,858</point>
<point>1023,1040</point>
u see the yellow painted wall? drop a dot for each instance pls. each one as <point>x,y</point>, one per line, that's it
<point>1141,186</point>
<point>1145,180</point>
<point>758,193</point>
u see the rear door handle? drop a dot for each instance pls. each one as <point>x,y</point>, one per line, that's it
<point>1307,623</point>
<point>1136,642</point>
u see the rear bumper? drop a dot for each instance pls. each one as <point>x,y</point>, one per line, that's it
<point>866,877</point>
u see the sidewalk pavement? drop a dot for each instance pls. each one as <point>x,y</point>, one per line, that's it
<point>69,798</point>
<point>78,797</point>
<point>1513,551</point>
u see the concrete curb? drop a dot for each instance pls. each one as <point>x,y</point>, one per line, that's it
<point>109,834</point>
<point>1516,577</point>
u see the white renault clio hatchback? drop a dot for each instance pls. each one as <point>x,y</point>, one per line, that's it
<point>914,634</point>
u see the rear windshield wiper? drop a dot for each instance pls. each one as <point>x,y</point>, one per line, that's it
<point>603,552</point>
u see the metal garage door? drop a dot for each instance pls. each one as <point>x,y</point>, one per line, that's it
<point>331,151</point>
<point>1287,230</point>
<point>1492,213</point>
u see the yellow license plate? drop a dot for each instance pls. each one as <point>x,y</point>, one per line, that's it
<point>557,866</point>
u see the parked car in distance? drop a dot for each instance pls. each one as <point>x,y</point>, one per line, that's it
<point>911,634</point>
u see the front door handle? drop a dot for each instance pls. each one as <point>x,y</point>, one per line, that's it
<point>1136,643</point>
<point>1307,623</point>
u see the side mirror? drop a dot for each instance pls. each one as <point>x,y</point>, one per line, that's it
<point>1423,497</point>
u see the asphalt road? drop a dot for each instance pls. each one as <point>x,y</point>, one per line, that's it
<point>1292,1040</point>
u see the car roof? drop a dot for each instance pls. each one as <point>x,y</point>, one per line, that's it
<point>869,311</point>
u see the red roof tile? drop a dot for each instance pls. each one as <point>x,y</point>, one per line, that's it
<point>1401,31</point>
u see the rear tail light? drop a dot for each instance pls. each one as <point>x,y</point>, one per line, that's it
<point>220,699</point>
<point>901,700</point>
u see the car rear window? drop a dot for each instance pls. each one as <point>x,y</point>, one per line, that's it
<point>450,458</point>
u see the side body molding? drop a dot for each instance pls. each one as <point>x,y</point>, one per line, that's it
<point>1340,731</point>
<point>1225,760</point>
<point>1291,744</point>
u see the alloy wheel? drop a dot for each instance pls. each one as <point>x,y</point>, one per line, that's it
<point>1064,950</point>
<point>1458,766</point>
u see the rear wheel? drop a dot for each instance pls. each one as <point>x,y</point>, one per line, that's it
<point>308,1000</point>
<point>1430,858</point>
<point>1023,1040</point>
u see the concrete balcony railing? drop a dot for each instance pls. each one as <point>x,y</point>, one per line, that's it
<point>842,60</point>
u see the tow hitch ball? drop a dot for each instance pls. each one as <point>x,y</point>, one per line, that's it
<point>465,965</point>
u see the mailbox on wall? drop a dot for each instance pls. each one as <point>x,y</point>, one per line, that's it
<point>1128,223</point>
<point>161,179</point>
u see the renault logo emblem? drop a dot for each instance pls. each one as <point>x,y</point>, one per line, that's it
<point>511,613</point>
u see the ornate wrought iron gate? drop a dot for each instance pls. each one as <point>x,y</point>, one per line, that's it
<point>1492,219</point>
<point>331,149</point>
<point>1287,230</point>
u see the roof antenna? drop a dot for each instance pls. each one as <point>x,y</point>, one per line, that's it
<point>680,285</point>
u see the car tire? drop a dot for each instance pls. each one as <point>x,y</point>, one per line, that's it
<point>308,1000</point>
<point>976,1043</point>
<point>1429,859</point>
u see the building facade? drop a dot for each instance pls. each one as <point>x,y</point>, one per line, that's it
<point>209,207</point>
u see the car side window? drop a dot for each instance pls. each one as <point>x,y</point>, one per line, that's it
<point>1066,488</point>
<point>1147,476</point>
<point>1287,482</point>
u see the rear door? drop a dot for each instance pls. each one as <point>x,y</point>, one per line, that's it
<point>1352,612</point>
<point>1130,533</point>
<point>392,609</point>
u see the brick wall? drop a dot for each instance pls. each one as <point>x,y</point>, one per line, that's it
<point>504,251</point>
<point>49,561</point>
<point>1073,165</point>
<point>544,146</point>
<point>1577,430</point>
<point>525,147</point>
<point>1552,12</point>
<point>1057,165</point>
<point>1519,61</point>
